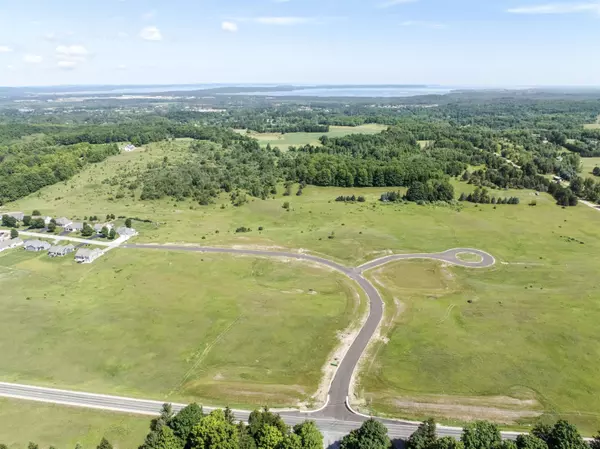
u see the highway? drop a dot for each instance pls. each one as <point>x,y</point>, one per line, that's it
<point>336,415</point>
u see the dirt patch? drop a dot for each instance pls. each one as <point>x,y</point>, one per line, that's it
<point>466,409</point>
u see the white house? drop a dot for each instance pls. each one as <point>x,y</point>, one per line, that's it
<point>8,244</point>
<point>124,230</point>
<point>129,148</point>
<point>63,222</point>
<point>74,226</point>
<point>36,245</point>
<point>85,255</point>
<point>46,219</point>
<point>98,227</point>
<point>4,235</point>
<point>60,251</point>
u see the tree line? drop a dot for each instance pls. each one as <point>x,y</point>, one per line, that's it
<point>191,428</point>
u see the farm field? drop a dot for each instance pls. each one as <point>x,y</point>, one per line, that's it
<point>172,326</point>
<point>588,164</point>
<point>283,141</point>
<point>59,426</point>
<point>593,125</point>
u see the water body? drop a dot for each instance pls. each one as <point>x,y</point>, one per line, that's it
<point>367,92</point>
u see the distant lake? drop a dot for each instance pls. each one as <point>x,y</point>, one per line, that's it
<point>371,91</point>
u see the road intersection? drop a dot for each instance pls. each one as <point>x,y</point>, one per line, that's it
<point>336,415</point>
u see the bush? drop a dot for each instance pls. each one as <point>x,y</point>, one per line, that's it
<point>242,229</point>
<point>286,205</point>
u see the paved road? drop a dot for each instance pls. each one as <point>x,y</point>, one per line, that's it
<point>336,415</point>
<point>397,429</point>
<point>336,406</point>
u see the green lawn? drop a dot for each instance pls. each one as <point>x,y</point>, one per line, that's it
<point>283,141</point>
<point>172,326</point>
<point>544,336</point>
<point>588,164</point>
<point>64,427</point>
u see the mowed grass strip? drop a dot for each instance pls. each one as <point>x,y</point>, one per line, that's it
<point>60,426</point>
<point>171,325</point>
<point>587,166</point>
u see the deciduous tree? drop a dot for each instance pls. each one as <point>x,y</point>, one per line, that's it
<point>481,435</point>
<point>424,437</point>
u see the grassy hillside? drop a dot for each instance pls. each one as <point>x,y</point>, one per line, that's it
<point>171,326</point>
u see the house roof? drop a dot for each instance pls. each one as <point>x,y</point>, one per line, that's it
<point>86,252</point>
<point>61,249</point>
<point>124,230</point>
<point>9,243</point>
<point>37,243</point>
<point>63,221</point>
<point>75,225</point>
<point>18,215</point>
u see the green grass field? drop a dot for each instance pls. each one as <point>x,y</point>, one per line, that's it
<point>283,141</point>
<point>545,278</point>
<point>64,427</point>
<point>171,326</point>
<point>588,164</point>
<point>593,125</point>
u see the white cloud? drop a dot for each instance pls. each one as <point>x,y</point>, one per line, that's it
<point>229,26</point>
<point>557,8</point>
<point>67,65</point>
<point>32,59</point>
<point>390,3</point>
<point>70,56</point>
<point>50,37</point>
<point>10,67</point>
<point>151,33</point>
<point>423,23</point>
<point>5,49</point>
<point>122,67</point>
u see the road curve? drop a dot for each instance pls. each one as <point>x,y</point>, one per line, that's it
<point>336,406</point>
<point>336,416</point>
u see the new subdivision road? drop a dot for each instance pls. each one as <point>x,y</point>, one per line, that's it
<point>336,415</point>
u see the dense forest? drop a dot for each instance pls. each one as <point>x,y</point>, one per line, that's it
<point>495,142</point>
<point>191,428</point>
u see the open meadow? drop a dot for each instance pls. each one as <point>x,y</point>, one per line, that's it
<point>587,165</point>
<point>172,326</point>
<point>60,426</point>
<point>525,341</point>
<point>283,141</point>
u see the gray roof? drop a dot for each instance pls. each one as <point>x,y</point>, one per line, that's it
<point>37,244</point>
<point>86,252</point>
<point>61,249</point>
<point>62,221</point>
<point>124,230</point>
<point>75,225</point>
<point>9,243</point>
<point>99,226</point>
<point>18,215</point>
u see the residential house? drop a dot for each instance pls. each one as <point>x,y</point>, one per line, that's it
<point>16,215</point>
<point>85,255</point>
<point>124,230</point>
<point>36,245</point>
<point>98,227</point>
<point>8,244</point>
<point>74,227</point>
<point>46,219</point>
<point>60,251</point>
<point>63,222</point>
<point>129,148</point>
<point>4,235</point>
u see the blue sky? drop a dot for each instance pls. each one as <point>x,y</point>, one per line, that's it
<point>451,42</point>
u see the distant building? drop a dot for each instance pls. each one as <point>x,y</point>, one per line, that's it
<point>36,245</point>
<point>16,215</point>
<point>74,226</point>
<point>129,148</point>
<point>63,222</point>
<point>47,220</point>
<point>8,244</point>
<point>98,227</point>
<point>4,235</point>
<point>85,255</point>
<point>124,230</point>
<point>60,251</point>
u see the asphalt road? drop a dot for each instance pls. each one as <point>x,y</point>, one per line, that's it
<point>337,406</point>
<point>336,416</point>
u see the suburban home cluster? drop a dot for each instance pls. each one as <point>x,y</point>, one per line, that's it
<point>83,255</point>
